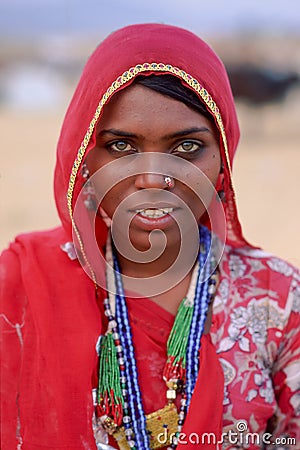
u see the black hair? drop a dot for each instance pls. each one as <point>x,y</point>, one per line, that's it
<point>171,86</point>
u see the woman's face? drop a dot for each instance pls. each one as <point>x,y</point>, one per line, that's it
<point>138,121</point>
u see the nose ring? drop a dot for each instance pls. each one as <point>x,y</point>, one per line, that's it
<point>169,182</point>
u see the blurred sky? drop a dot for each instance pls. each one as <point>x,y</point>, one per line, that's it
<point>29,18</point>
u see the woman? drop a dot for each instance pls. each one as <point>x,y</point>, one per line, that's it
<point>195,341</point>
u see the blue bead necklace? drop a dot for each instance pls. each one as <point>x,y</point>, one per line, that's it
<point>120,344</point>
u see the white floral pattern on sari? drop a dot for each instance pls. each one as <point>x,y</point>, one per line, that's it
<point>255,329</point>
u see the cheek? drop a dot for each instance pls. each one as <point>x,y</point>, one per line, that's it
<point>97,159</point>
<point>212,171</point>
<point>109,203</point>
<point>213,168</point>
<point>113,197</point>
<point>199,198</point>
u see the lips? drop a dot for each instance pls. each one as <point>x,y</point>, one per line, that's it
<point>154,213</point>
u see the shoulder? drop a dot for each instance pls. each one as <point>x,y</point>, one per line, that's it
<point>33,246</point>
<point>37,268</point>
<point>38,239</point>
<point>31,254</point>
<point>253,275</point>
<point>270,261</point>
<point>257,304</point>
<point>250,262</point>
<point>19,260</point>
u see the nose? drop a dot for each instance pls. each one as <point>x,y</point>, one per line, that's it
<point>150,181</point>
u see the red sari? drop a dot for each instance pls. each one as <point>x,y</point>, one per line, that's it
<point>50,328</point>
<point>50,317</point>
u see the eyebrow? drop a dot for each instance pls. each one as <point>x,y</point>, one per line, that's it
<point>187,131</point>
<point>116,132</point>
<point>180,133</point>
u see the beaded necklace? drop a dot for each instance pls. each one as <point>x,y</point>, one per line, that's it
<point>119,408</point>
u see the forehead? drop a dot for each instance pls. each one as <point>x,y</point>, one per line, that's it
<point>140,105</point>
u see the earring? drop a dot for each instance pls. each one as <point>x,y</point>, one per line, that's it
<point>106,219</point>
<point>221,195</point>
<point>220,185</point>
<point>85,171</point>
<point>169,182</point>
<point>88,189</point>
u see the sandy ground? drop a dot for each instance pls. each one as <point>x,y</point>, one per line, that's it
<point>266,174</point>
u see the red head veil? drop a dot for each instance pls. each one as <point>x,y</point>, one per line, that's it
<point>131,51</point>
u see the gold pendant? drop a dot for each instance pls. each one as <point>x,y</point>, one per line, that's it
<point>160,425</point>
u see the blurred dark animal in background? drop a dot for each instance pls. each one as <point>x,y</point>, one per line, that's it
<point>258,85</point>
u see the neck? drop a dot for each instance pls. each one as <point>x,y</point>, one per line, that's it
<point>178,280</point>
<point>146,269</point>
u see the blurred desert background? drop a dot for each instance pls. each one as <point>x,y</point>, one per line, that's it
<point>38,74</point>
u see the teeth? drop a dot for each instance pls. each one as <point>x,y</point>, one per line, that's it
<point>154,213</point>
